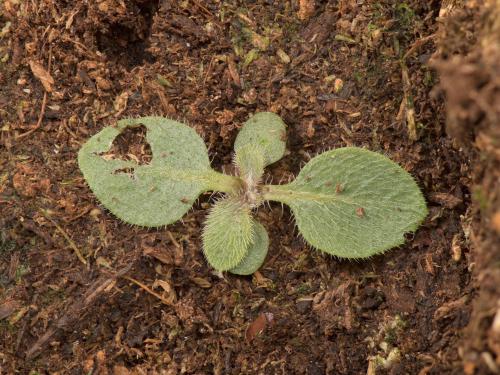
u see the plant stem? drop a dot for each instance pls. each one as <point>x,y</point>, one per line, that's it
<point>224,183</point>
<point>277,193</point>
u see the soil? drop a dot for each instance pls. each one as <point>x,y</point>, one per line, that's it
<point>82,292</point>
<point>469,69</point>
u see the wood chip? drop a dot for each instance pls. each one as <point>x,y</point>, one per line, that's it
<point>120,103</point>
<point>495,326</point>
<point>456,250</point>
<point>8,307</point>
<point>445,199</point>
<point>306,9</point>
<point>42,75</point>
<point>285,59</point>
<point>449,308</point>
<point>202,283</point>
<point>19,315</point>
<point>171,295</point>
<point>258,325</point>
<point>165,257</point>
<point>495,222</point>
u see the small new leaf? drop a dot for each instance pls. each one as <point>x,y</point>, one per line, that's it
<point>250,163</point>
<point>266,132</point>
<point>228,233</point>
<point>256,253</point>
<point>378,203</point>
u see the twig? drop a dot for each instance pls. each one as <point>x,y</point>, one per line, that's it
<point>418,43</point>
<point>70,241</point>
<point>81,45</point>
<point>409,107</point>
<point>172,238</point>
<point>39,122</point>
<point>208,13</point>
<point>209,70</point>
<point>147,289</point>
<point>84,211</point>
<point>42,109</point>
<point>20,335</point>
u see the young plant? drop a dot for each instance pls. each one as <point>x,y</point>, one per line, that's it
<point>348,202</point>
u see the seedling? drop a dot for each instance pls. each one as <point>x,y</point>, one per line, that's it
<point>348,202</point>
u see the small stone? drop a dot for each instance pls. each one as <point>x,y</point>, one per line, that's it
<point>495,221</point>
<point>456,250</point>
<point>103,7</point>
<point>329,78</point>
<point>285,59</point>
<point>338,85</point>
<point>103,83</point>
<point>303,304</point>
<point>120,370</point>
<point>376,36</point>
<point>94,213</point>
<point>495,326</point>
<point>306,9</point>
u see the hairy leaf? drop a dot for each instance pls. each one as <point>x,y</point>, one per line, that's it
<point>250,164</point>
<point>228,233</point>
<point>256,253</point>
<point>353,203</point>
<point>265,131</point>
<point>158,193</point>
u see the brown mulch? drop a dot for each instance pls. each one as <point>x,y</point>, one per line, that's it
<point>81,292</point>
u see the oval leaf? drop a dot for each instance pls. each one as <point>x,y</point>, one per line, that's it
<point>353,203</point>
<point>266,132</point>
<point>228,234</point>
<point>256,253</point>
<point>150,195</point>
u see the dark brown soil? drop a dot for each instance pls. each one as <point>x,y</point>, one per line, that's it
<point>145,301</point>
<point>470,71</point>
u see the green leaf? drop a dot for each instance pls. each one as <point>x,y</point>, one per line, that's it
<point>228,233</point>
<point>161,192</point>
<point>352,203</point>
<point>266,132</point>
<point>250,163</point>
<point>256,253</point>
